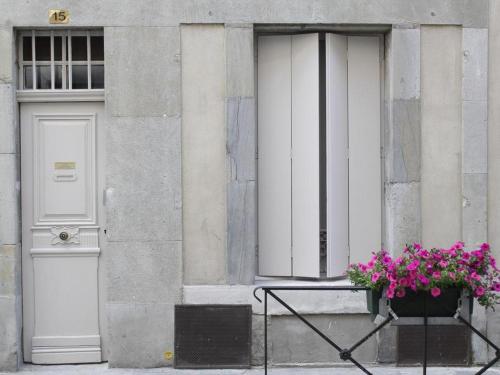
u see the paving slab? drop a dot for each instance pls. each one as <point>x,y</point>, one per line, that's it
<point>98,369</point>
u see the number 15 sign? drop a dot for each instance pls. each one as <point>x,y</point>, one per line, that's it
<point>58,16</point>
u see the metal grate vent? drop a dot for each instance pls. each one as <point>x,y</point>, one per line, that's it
<point>213,336</point>
<point>446,345</point>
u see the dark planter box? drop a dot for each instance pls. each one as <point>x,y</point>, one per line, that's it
<point>413,304</point>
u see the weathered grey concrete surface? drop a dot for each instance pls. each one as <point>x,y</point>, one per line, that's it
<point>241,194</point>
<point>340,370</point>
<point>494,150</point>
<point>143,200</point>
<point>441,135</point>
<point>139,334</point>
<point>142,81</point>
<point>10,249</point>
<point>204,153</point>
<point>241,148</point>
<point>472,13</point>
<point>494,128</point>
<point>143,177</point>
<point>144,272</point>
<point>310,348</point>
<point>402,139</point>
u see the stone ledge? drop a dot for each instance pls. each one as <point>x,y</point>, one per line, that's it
<point>306,302</point>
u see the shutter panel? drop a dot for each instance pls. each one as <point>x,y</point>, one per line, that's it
<point>305,155</point>
<point>365,198</point>
<point>337,174</point>
<point>274,167</point>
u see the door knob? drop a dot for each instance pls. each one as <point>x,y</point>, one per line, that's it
<point>64,236</point>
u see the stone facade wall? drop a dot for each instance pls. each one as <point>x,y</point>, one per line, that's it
<point>181,146</point>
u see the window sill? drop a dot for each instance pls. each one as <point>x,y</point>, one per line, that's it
<point>60,96</point>
<point>305,302</point>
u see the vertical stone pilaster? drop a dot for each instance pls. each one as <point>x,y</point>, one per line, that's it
<point>474,156</point>
<point>494,152</point>
<point>402,139</point>
<point>402,134</point>
<point>10,213</point>
<point>143,252</point>
<point>441,90</point>
<point>241,151</point>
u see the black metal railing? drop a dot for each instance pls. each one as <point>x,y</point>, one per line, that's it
<point>345,354</point>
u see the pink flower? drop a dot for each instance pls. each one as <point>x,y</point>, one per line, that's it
<point>479,291</point>
<point>403,282</point>
<point>413,265</point>
<point>424,254</point>
<point>465,256</point>
<point>475,276</point>
<point>485,247</point>
<point>496,287</point>
<point>436,275</point>
<point>443,264</point>
<point>413,285</point>
<point>370,264</point>
<point>400,293</point>
<point>423,280</point>
<point>375,277</point>
<point>386,260</point>
<point>452,275</point>
<point>435,292</point>
<point>390,293</point>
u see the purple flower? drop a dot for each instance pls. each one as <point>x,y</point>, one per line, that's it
<point>413,265</point>
<point>423,280</point>
<point>375,277</point>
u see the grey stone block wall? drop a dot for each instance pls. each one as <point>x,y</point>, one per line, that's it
<point>402,143</point>
<point>474,157</point>
<point>241,151</point>
<point>10,249</point>
<point>292,342</point>
<point>143,200</point>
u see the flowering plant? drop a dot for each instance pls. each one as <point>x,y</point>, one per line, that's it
<point>432,270</point>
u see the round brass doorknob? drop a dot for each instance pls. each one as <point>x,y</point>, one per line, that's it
<point>64,236</point>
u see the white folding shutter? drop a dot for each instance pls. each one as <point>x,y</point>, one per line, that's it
<point>305,155</point>
<point>337,172</point>
<point>274,167</point>
<point>365,198</point>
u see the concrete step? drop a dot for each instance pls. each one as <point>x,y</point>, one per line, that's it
<point>98,369</point>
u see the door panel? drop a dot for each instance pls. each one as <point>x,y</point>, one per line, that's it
<point>365,190</point>
<point>305,155</point>
<point>61,150</point>
<point>274,168</point>
<point>337,155</point>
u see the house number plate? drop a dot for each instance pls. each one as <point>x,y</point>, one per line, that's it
<point>58,16</point>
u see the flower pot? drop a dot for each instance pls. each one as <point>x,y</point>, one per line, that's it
<point>414,304</point>
<point>372,300</point>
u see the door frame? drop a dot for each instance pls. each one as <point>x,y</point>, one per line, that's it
<point>76,96</point>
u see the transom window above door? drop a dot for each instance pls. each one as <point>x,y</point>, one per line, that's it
<point>61,60</point>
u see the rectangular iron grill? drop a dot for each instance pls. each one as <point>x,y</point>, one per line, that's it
<point>213,336</point>
<point>447,345</point>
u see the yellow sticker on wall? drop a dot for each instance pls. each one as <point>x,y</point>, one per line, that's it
<point>168,355</point>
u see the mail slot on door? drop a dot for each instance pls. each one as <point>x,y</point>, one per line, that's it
<point>64,171</point>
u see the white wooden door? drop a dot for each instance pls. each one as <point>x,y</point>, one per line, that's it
<point>61,149</point>
<point>288,165</point>
<point>354,182</point>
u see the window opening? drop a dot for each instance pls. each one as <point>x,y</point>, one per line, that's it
<point>61,60</point>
